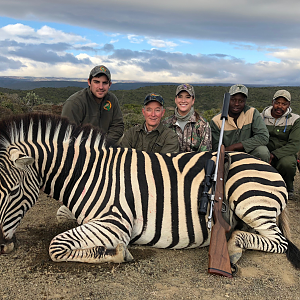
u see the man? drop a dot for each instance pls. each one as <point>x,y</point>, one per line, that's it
<point>96,106</point>
<point>152,135</point>
<point>284,143</point>
<point>244,130</point>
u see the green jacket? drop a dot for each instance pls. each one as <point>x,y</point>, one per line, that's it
<point>251,130</point>
<point>81,108</point>
<point>160,140</point>
<point>284,132</point>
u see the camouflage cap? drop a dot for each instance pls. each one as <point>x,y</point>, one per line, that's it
<point>100,70</point>
<point>283,93</point>
<point>154,97</point>
<point>186,87</point>
<point>238,88</point>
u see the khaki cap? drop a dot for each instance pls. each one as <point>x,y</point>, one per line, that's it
<point>283,93</point>
<point>238,88</point>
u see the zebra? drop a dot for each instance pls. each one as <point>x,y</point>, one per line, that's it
<point>122,196</point>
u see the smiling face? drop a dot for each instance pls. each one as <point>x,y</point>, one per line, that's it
<point>184,102</point>
<point>153,112</point>
<point>99,86</point>
<point>236,105</point>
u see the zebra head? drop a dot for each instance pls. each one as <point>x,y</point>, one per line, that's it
<point>18,192</point>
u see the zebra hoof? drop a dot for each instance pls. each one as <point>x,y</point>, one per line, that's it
<point>234,269</point>
<point>123,253</point>
<point>63,215</point>
<point>235,257</point>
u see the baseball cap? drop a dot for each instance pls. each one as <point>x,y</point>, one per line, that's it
<point>186,87</point>
<point>154,97</point>
<point>238,88</point>
<point>100,70</point>
<point>283,93</point>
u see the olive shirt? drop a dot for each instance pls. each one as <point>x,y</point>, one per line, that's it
<point>81,108</point>
<point>160,140</point>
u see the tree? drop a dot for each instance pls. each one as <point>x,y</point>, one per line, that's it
<point>31,100</point>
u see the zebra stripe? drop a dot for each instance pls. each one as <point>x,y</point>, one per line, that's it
<point>121,196</point>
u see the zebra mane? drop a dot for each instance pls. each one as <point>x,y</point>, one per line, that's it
<point>26,127</point>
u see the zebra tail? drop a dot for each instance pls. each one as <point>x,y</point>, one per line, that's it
<point>292,252</point>
<point>293,255</point>
<point>283,224</point>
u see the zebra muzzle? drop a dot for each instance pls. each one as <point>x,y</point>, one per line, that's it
<point>6,246</point>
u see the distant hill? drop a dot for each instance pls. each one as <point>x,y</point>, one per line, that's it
<point>30,83</point>
<point>209,97</point>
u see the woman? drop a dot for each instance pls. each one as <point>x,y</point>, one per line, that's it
<point>193,130</point>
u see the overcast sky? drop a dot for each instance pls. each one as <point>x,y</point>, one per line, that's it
<point>195,41</point>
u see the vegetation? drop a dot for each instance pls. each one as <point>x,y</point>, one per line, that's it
<point>208,102</point>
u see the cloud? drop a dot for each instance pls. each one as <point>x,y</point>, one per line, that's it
<point>6,63</point>
<point>250,21</point>
<point>168,28</point>
<point>47,45</point>
<point>135,39</point>
<point>26,34</point>
<point>161,43</point>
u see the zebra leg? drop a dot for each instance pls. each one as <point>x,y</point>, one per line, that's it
<point>269,240</point>
<point>97,241</point>
<point>63,214</point>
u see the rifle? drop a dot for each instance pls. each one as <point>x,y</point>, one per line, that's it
<point>205,197</point>
<point>219,261</point>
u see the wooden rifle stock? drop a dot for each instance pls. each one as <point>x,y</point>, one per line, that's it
<point>219,261</point>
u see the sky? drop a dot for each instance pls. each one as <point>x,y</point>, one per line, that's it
<point>192,41</point>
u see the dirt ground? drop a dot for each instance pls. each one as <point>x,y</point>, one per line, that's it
<point>28,273</point>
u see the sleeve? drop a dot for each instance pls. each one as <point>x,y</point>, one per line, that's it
<point>73,112</point>
<point>127,140</point>
<point>204,133</point>
<point>215,135</point>
<point>116,128</point>
<point>260,133</point>
<point>293,144</point>
<point>171,144</point>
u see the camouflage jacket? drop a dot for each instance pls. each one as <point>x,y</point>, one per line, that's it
<point>195,137</point>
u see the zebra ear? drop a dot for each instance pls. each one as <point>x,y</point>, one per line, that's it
<point>20,159</point>
<point>24,161</point>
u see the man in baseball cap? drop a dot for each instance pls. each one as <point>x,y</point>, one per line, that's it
<point>152,135</point>
<point>284,142</point>
<point>238,88</point>
<point>96,105</point>
<point>245,130</point>
<point>100,70</point>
